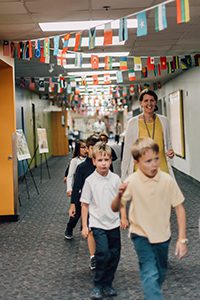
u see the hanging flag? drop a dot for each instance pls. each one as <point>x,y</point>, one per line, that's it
<point>108,62</point>
<point>41,84</point>
<point>197,60</point>
<point>6,48</point>
<point>78,39</point>
<point>132,89</point>
<point>37,49</point>
<point>119,77</point>
<point>78,60</point>
<point>44,59</point>
<point>163,62</point>
<point>20,50</point>
<point>56,41</point>
<point>46,47</point>
<point>66,42</point>
<point>12,49</point>
<point>30,49</point>
<point>176,62</point>
<point>173,67</point>
<point>160,17</point>
<point>107,79</point>
<point>123,63</point>
<point>124,91</point>
<point>107,34</point>
<point>123,30</point>
<point>51,85</point>
<point>83,80</point>
<point>32,84</point>
<point>92,37</point>
<point>26,50</point>
<point>169,67</point>
<point>131,75</point>
<point>95,61</point>
<point>144,72</point>
<point>61,59</point>
<point>95,79</point>
<point>142,24</point>
<point>150,63</point>
<point>137,63</point>
<point>139,88</point>
<point>186,62</point>
<point>182,11</point>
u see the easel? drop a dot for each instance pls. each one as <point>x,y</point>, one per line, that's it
<point>25,171</point>
<point>45,155</point>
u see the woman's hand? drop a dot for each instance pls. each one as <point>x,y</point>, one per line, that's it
<point>85,232</point>
<point>170,153</point>
<point>72,210</point>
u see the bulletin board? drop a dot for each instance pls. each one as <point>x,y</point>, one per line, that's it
<point>177,122</point>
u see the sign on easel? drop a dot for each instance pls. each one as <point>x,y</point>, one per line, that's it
<point>22,146</point>
<point>42,140</point>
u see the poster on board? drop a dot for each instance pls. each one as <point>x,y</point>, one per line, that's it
<point>22,147</point>
<point>42,140</point>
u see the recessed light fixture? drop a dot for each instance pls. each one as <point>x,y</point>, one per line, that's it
<point>83,25</point>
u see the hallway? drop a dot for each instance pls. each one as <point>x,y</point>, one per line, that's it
<point>37,263</point>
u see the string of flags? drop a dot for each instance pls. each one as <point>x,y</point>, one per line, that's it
<point>41,48</point>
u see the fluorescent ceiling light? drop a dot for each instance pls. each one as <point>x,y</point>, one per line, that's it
<point>98,41</point>
<point>89,66</point>
<point>99,54</point>
<point>90,73</point>
<point>83,25</point>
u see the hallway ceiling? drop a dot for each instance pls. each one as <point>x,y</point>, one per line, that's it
<point>19,21</point>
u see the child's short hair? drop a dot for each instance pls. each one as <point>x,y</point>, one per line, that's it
<point>142,145</point>
<point>101,148</point>
<point>91,140</point>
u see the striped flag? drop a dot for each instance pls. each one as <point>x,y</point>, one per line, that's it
<point>124,91</point>
<point>107,79</point>
<point>56,40</point>
<point>78,60</point>
<point>123,30</point>
<point>150,63</point>
<point>107,34</point>
<point>160,17</point>
<point>37,48</point>
<point>6,48</point>
<point>137,63</point>
<point>95,61</point>
<point>92,37</point>
<point>119,77</point>
<point>108,62</point>
<point>142,24</point>
<point>131,75</point>
<point>182,11</point>
<point>66,42</point>
<point>78,39</point>
<point>123,63</point>
<point>46,47</point>
<point>61,59</point>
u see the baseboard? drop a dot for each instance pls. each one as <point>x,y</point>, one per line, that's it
<point>9,218</point>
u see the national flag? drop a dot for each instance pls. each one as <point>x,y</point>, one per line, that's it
<point>30,49</point>
<point>173,67</point>
<point>6,48</point>
<point>41,84</point>
<point>12,49</point>
<point>139,88</point>
<point>95,61</point>
<point>119,77</point>
<point>124,91</point>
<point>123,63</point>
<point>92,37</point>
<point>107,79</point>
<point>61,59</point>
<point>107,34</point>
<point>132,89</point>
<point>108,62</point>
<point>26,50</point>
<point>160,17</point>
<point>32,84</point>
<point>123,30</point>
<point>150,63</point>
<point>46,47</point>
<point>131,75</point>
<point>78,39</point>
<point>95,79</point>
<point>44,59</point>
<point>137,63</point>
<point>78,60</point>
<point>83,80</point>
<point>56,41</point>
<point>197,60</point>
<point>51,85</point>
<point>169,67</point>
<point>20,50</point>
<point>163,62</point>
<point>186,62</point>
<point>144,72</point>
<point>142,24</point>
<point>66,42</point>
<point>157,70</point>
<point>182,11</point>
<point>37,48</point>
<point>176,62</point>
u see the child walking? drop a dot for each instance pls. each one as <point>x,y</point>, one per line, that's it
<point>152,194</point>
<point>97,195</point>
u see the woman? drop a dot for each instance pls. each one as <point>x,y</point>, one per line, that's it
<point>147,124</point>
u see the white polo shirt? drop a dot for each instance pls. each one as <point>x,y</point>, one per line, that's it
<point>99,192</point>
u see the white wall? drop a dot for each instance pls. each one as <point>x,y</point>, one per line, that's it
<point>189,82</point>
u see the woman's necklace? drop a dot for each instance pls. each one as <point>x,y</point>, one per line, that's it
<point>153,133</point>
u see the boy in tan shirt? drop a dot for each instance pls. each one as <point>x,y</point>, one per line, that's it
<point>152,194</point>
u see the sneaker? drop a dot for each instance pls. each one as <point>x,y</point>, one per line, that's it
<point>92,264</point>
<point>109,291</point>
<point>68,236</point>
<point>96,293</point>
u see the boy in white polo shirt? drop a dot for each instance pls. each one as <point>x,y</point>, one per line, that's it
<point>152,194</point>
<point>97,195</point>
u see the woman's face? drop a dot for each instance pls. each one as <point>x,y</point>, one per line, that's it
<point>83,150</point>
<point>148,104</point>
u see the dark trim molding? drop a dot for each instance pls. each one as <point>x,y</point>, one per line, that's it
<point>9,218</point>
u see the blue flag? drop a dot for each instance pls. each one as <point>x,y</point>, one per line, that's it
<point>123,30</point>
<point>56,45</point>
<point>142,24</point>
